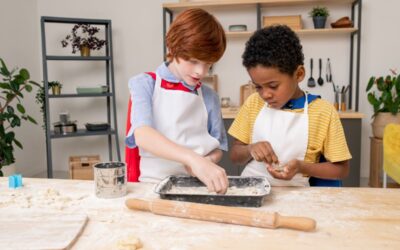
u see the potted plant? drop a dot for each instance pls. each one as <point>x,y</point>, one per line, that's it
<point>55,87</point>
<point>319,15</point>
<point>13,85</point>
<point>386,101</point>
<point>83,38</point>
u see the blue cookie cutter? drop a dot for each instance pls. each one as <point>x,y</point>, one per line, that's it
<point>15,181</point>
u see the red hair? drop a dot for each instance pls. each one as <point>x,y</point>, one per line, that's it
<point>196,34</point>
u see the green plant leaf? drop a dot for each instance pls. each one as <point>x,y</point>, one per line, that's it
<point>24,73</point>
<point>4,71</point>
<point>370,83</point>
<point>18,143</point>
<point>28,88</point>
<point>380,84</point>
<point>20,108</point>
<point>398,84</point>
<point>10,109</point>
<point>9,137</point>
<point>387,97</point>
<point>10,96</point>
<point>16,122</point>
<point>372,99</point>
<point>31,119</point>
<point>15,86</point>
<point>5,85</point>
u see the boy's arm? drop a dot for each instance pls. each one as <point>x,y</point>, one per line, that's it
<point>326,170</point>
<point>212,175</point>
<point>242,153</point>
<point>215,155</point>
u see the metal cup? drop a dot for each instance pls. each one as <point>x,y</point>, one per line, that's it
<point>64,117</point>
<point>110,179</point>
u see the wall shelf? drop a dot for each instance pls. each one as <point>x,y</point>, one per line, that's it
<point>110,109</point>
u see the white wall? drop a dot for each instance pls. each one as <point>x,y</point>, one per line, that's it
<point>19,46</point>
<point>137,40</point>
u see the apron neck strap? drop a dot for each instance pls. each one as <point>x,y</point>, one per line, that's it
<point>305,102</point>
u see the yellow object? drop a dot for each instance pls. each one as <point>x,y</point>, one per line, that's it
<point>325,131</point>
<point>391,151</point>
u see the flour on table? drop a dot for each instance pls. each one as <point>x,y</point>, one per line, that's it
<point>46,198</point>
<point>203,190</point>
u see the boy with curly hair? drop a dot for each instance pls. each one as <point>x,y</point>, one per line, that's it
<point>282,132</point>
<point>175,120</point>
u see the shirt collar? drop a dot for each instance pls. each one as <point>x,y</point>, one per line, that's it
<point>299,102</point>
<point>164,72</point>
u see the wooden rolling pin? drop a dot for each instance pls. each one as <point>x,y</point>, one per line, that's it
<point>222,214</point>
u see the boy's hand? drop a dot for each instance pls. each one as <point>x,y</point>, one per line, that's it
<point>289,170</point>
<point>212,175</point>
<point>262,151</point>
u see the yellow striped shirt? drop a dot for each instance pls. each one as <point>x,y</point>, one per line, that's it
<point>325,132</point>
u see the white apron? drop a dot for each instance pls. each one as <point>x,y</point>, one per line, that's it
<point>287,132</point>
<point>181,117</point>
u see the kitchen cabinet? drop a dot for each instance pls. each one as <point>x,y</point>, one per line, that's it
<point>110,108</point>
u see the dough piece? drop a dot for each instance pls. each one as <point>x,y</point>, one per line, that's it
<point>129,243</point>
<point>278,167</point>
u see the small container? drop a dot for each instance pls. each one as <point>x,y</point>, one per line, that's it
<point>64,117</point>
<point>65,128</point>
<point>340,101</point>
<point>225,102</point>
<point>110,179</point>
<point>237,27</point>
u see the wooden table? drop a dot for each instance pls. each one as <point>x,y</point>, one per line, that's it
<point>347,218</point>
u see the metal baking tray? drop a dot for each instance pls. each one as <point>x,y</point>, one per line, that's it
<point>259,185</point>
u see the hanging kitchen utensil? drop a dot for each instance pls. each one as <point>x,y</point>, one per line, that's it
<point>328,71</point>
<point>320,80</point>
<point>311,81</point>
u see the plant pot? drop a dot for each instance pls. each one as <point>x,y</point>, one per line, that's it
<point>9,170</point>
<point>319,22</point>
<point>85,51</point>
<point>381,120</point>
<point>56,90</point>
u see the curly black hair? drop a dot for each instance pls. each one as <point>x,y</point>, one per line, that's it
<point>275,46</point>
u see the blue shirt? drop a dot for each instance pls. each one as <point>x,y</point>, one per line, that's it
<point>141,89</point>
<point>299,102</point>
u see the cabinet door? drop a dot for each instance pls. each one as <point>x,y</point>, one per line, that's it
<point>352,130</point>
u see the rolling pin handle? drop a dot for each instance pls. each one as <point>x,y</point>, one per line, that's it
<point>298,223</point>
<point>138,204</point>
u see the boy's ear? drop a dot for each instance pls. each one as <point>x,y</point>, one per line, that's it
<point>300,73</point>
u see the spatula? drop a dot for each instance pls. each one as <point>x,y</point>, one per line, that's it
<point>311,81</point>
<point>320,80</point>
